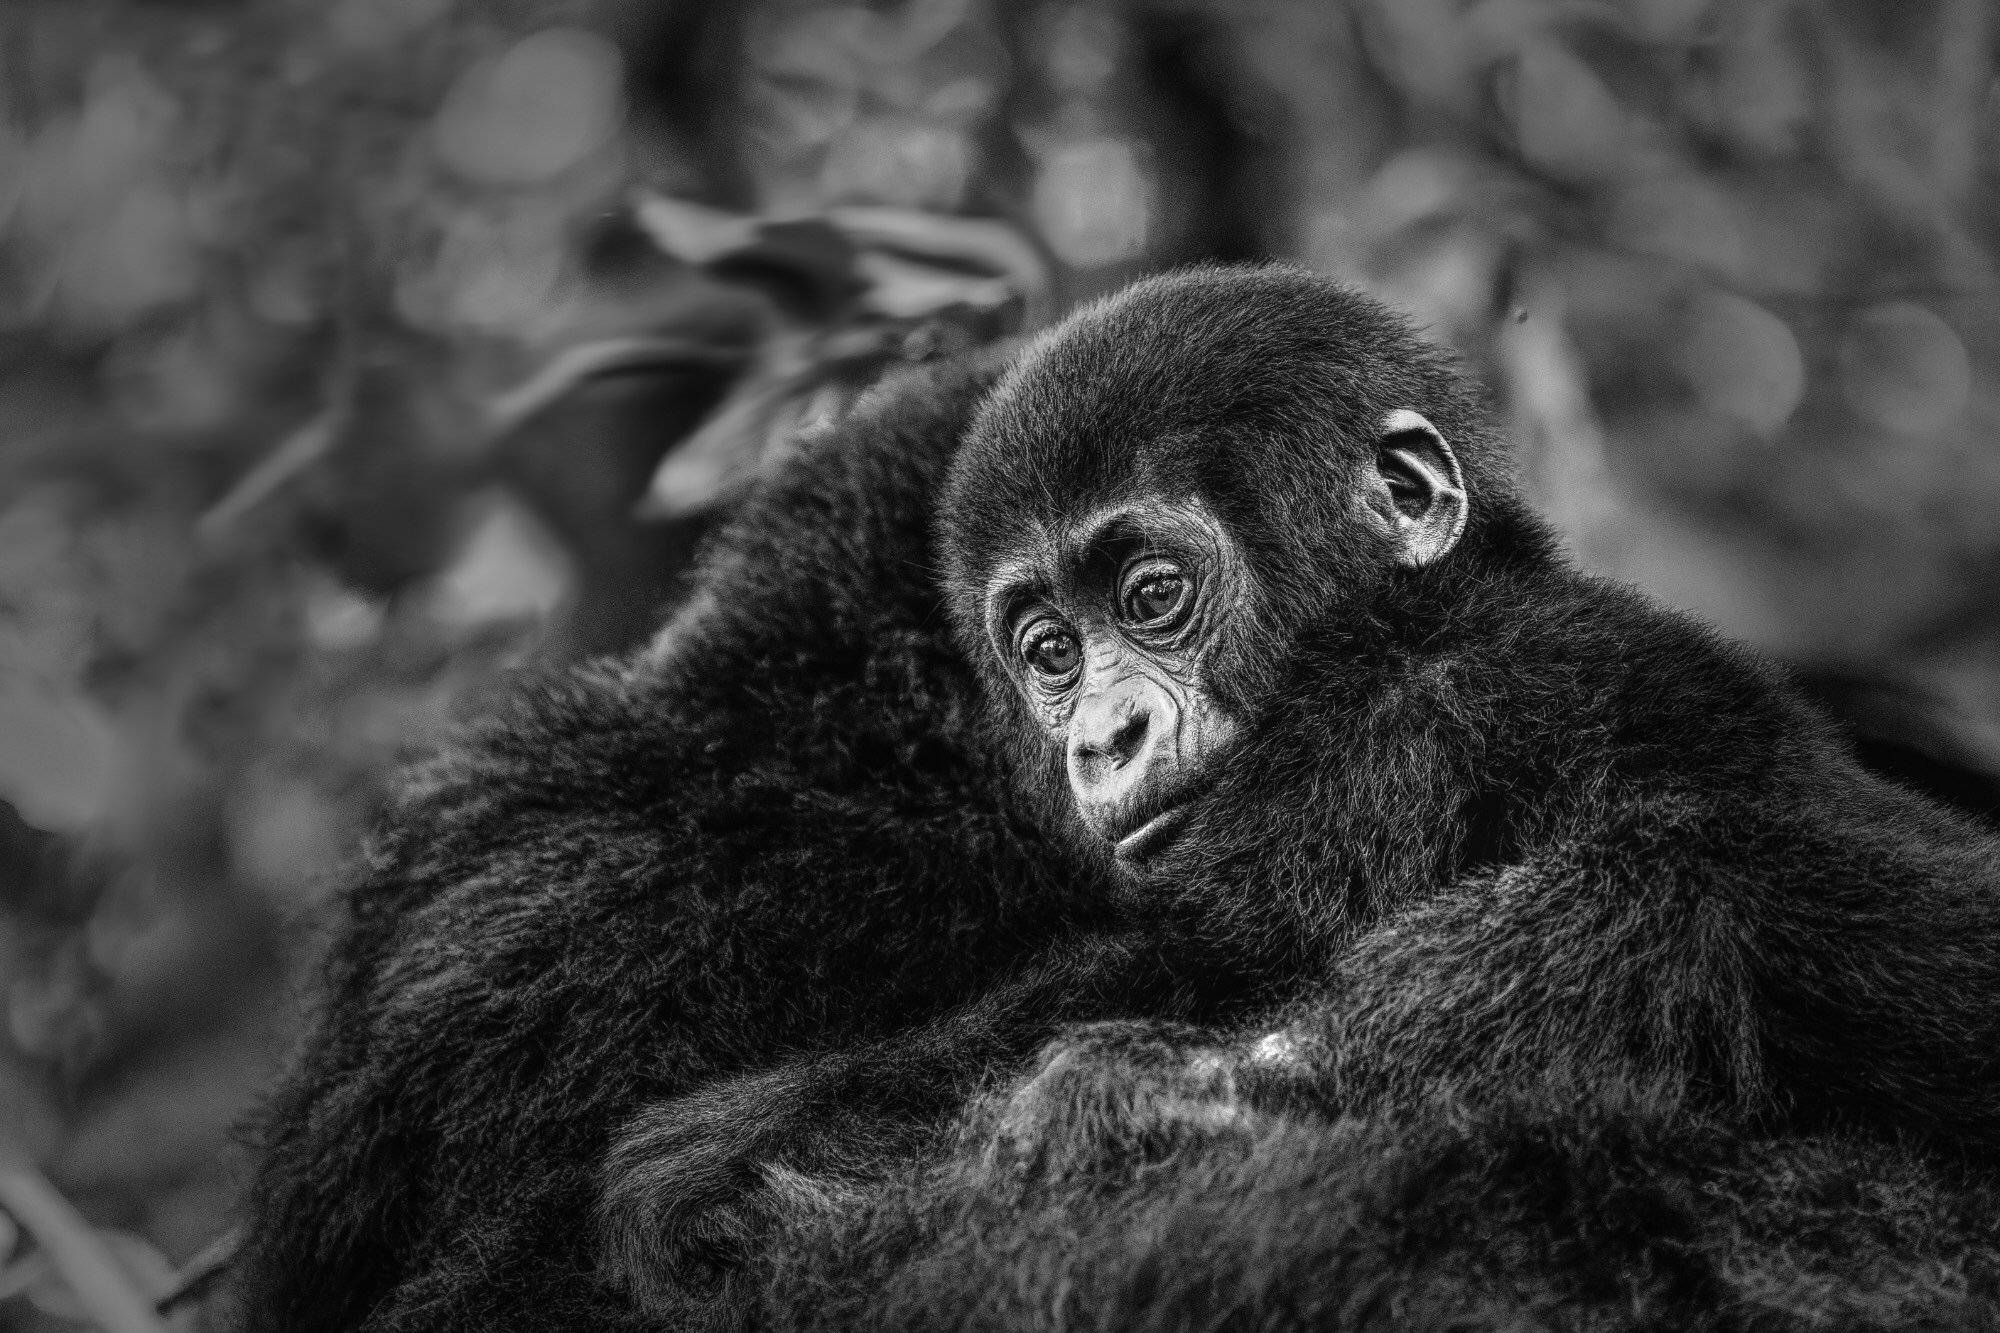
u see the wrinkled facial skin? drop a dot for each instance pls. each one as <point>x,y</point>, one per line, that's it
<point>1108,629</point>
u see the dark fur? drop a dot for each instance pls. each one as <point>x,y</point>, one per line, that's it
<point>1531,842</point>
<point>780,833</point>
<point>1509,818</point>
<point>690,950</point>
<point>1607,1211</point>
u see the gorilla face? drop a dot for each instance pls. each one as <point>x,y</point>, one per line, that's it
<point>1107,628</point>
<point>1166,496</point>
<point>1121,629</point>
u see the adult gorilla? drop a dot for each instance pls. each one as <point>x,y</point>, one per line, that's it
<point>781,832</point>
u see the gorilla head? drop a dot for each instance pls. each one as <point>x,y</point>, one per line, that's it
<point>1190,537</point>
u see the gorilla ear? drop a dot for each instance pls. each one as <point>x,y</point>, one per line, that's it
<point>1416,489</point>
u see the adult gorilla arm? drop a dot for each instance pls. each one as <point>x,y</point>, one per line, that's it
<point>693,1183</point>
<point>1116,1196</point>
<point>1542,1099</point>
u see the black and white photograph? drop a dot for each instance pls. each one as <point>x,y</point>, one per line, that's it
<point>999,666</point>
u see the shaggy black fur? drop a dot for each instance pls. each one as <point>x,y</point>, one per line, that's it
<point>1606,1210</point>
<point>778,833</point>
<point>1532,843</point>
<point>680,956</point>
<point>1511,820</point>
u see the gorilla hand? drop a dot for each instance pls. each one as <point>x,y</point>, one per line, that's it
<point>690,1184</point>
<point>1109,1096</point>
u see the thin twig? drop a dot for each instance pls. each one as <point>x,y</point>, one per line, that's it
<point>294,454</point>
<point>103,1290</point>
<point>199,1273</point>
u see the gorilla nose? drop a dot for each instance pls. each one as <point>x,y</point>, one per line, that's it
<point>1110,729</point>
<point>1110,743</point>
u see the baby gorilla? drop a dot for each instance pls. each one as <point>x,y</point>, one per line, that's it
<point>1269,625</point>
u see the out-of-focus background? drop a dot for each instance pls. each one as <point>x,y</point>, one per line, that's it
<point>353,352</point>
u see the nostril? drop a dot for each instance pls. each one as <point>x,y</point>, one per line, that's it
<point>1128,736</point>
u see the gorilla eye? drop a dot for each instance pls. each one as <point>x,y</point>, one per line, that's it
<point>1054,653</point>
<point>1153,594</point>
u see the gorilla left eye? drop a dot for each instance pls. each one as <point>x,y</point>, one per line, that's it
<point>1155,595</point>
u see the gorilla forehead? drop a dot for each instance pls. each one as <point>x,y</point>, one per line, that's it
<point>1260,389</point>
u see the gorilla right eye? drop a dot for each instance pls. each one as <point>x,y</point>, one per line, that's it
<point>1154,594</point>
<point>1053,653</point>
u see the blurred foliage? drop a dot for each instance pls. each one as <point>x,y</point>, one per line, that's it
<point>354,350</point>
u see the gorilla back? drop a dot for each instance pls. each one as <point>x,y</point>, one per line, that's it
<point>777,832</point>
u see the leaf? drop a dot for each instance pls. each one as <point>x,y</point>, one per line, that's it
<point>905,289</point>
<point>809,257</point>
<point>508,569</point>
<point>725,449</point>
<point>979,243</point>
<point>58,756</point>
<point>150,1273</point>
<point>542,107</point>
<point>690,232</point>
<point>97,1285</point>
<point>1564,117</point>
<point>1742,361</point>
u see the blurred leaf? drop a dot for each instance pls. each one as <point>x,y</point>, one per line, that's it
<point>1742,361</point>
<point>534,112</point>
<point>136,256</point>
<point>703,469</point>
<point>693,232</point>
<point>150,1274</point>
<point>58,756</point>
<point>905,289</point>
<point>1564,117</point>
<point>1421,46</point>
<point>1093,200</point>
<point>1904,369</point>
<point>508,569</point>
<point>201,1271</point>
<point>810,260</point>
<point>981,245</point>
<point>1763,99</point>
<point>575,366</point>
<point>286,836</point>
<point>96,1284</point>
<point>899,160</point>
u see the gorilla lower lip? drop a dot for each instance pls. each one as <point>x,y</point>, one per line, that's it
<point>1150,836</point>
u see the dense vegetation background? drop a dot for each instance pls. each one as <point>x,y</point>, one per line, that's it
<point>353,351</point>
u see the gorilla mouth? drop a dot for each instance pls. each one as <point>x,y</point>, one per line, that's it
<point>1152,836</point>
